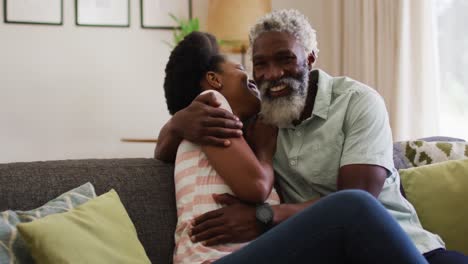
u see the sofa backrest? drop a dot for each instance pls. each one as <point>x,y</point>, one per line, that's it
<point>145,186</point>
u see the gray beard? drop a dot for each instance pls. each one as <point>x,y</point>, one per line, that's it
<point>281,112</point>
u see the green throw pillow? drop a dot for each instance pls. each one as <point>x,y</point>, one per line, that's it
<point>439,192</point>
<point>12,246</point>
<point>99,231</point>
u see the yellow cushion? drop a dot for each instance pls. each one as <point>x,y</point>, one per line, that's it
<point>439,192</point>
<point>99,231</point>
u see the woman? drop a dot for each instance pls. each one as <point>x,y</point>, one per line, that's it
<point>347,227</point>
<point>195,67</point>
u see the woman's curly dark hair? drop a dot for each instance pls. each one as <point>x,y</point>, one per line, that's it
<point>188,63</point>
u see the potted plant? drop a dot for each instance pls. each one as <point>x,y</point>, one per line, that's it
<point>185,27</point>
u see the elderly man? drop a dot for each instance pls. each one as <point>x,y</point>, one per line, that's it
<point>334,134</point>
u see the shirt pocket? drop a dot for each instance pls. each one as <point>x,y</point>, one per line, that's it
<point>321,161</point>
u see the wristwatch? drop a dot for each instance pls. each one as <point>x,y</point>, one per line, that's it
<point>264,215</point>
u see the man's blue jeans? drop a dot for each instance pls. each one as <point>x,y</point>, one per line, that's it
<point>345,227</point>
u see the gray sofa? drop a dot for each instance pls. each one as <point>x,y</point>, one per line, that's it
<point>145,186</point>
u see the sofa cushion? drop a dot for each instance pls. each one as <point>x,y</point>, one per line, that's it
<point>145,186</point>
<point>439,194</point>
<point>408,154</point>
<point>12,244</point>
<point>99,231</point>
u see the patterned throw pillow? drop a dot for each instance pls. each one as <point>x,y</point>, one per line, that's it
<point>419,153</point>
<point>13,248</point>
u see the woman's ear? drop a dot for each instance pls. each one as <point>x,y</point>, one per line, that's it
<point>214,80</point>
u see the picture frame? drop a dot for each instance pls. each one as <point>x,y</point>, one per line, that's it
<point>102,13</point>
<point>154,14</point>
<point>44,12</point>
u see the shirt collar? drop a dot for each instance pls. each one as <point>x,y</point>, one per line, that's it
<point>324,95</point>
<point>323,82</point>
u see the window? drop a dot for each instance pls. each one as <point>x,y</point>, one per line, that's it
<point>452,27</point>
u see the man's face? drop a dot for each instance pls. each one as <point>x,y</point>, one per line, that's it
<point>281,70</point>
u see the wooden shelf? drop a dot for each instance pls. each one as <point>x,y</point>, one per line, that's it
<point>139,140</point>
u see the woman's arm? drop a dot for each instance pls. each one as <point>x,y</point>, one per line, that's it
<point>249,173</point>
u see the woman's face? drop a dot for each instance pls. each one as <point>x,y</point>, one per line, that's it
<point>241,93</point>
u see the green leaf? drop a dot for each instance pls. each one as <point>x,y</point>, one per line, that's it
<point>186,27</point>
<point>175,18</point>
<point>168,44</point>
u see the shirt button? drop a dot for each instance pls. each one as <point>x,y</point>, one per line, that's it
<point>293,162</point>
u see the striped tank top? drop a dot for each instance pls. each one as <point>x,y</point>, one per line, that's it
<point>195,182</point>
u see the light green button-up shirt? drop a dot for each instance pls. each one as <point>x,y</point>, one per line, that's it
<point>349,125</point>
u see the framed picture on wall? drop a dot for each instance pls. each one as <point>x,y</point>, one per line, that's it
<point>102,13</point>
<point>157,13</point>
<point>44,12</point>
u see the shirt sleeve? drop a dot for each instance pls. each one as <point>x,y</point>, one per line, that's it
<point>368,137</point>
<point>224,103</point>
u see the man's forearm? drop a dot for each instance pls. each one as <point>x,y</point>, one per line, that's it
<point>284,211</point>
<point>168,142</point>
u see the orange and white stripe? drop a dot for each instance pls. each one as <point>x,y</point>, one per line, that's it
<point>195,183</point>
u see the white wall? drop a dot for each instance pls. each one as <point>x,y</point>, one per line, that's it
<point>73,92</point>
<point>70,92</point>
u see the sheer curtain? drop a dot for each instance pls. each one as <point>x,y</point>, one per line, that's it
<point>452,21</point>
<point>417,113</point>
<point>389,45</point>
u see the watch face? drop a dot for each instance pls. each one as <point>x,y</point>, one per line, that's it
<point>264,214</point>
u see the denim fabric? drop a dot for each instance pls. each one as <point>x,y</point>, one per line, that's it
<point>345,227</point>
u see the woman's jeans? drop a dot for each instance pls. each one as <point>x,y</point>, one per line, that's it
<point>345,227</point>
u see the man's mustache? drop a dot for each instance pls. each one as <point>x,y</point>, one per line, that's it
<point>265,85</point>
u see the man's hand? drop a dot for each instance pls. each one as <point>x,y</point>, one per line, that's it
<point>235,223</point>
<point>203,122</point>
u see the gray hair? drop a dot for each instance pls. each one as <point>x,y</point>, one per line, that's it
<point>291,21</point>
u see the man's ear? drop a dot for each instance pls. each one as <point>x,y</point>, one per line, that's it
<point>311,59</point>
<point>214,80</point>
